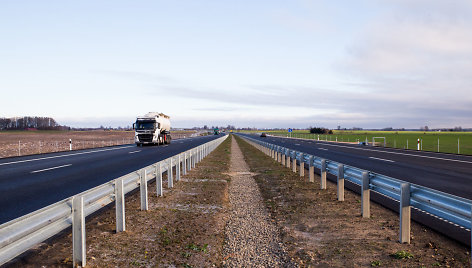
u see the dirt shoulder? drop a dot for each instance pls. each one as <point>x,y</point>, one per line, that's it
<point>184,228</point>
<point>319,231</point>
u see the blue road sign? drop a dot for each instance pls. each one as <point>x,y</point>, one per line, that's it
<point>290,130</point>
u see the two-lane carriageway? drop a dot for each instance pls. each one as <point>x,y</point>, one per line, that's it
<point>448,173</point>
<point>32,182</point>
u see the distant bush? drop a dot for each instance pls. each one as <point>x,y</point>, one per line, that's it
<point>320,130</point>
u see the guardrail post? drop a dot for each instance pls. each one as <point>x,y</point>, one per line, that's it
<point>120,205</point>
<point>311,169</point>
<point>194,155</point>
<point>159,179</point>
<point>198,154</point>
<point>143,189</point>
<point>78,232</point>
<point>184,164</point>
<point>170,182</point>
<point>302,165</point>
<point>323,174</point>
<point>177,169</point>
<point>365,195</point>
<point>405,213</point>
<point>340,182</point>
<point>287,162</point>
<point>283,157</point>
<point>294,162</point>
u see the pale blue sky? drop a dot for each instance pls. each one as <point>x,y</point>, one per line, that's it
<point>370,64</point>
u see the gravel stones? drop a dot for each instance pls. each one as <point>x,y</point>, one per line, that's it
<point>251,238</point>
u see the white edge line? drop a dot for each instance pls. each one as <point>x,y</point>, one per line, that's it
<point>46,169</point>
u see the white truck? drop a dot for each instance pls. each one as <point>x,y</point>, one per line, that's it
<point>152,128</point>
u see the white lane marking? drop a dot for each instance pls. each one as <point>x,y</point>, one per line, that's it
<point>414,155</point>
<point>59,156</point>
<point>324,149</point>
<point>297,144</point>
<point>46,169</point>
<point>381,159</point>
<point>134,152</point>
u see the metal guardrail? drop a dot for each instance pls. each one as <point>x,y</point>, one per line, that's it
<point>21,234</point>
<point>454,209</point>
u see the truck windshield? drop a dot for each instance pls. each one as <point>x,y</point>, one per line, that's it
<point>145,125</point>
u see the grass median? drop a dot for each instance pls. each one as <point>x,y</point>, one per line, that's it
<point>320,231</point>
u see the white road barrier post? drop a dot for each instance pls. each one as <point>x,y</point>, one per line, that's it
<point>120,205</point>
<point>19,148</point>
<point>365,195</point>
<point>159,179</point>
<point>311,169</point>
<point>340,182</point>
<point>418,144</point>
<point>283,157</point>
<point>70,144</point>
<point>405,213</point>
<point>143,189</point>
<point>170,182</point>
<point>294,162</point>
<point>323,174</point>
<point>78,232</point>
<point>177,169</point>
<point>287,162</point>
<point>302,165</point>
<point>184,164</point>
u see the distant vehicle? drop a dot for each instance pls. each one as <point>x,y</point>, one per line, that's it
<point>363,143</point>
<point>263,135</point>
<point>152,128</point>
<point>216,131</point>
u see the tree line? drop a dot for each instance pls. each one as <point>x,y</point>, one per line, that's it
<point>41,123</point>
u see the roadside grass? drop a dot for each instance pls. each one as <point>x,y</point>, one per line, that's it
<point>448,141</point>
<point>320,231</point>
<point>184,228</point>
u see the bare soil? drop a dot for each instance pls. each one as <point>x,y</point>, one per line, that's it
<point>16,143</point>
<point>184,228</point>
<point>319,231</point>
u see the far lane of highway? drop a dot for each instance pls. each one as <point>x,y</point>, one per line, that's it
<point>444,172</point>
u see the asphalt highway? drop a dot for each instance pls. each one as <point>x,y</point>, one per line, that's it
<point>448,173</point>
<point>32,182</point>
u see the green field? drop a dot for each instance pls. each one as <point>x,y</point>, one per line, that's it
<point>448,141</point>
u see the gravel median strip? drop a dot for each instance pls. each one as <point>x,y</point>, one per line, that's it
<point>251,238</point>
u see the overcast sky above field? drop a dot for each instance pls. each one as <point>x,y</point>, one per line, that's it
<point>370,64</point>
